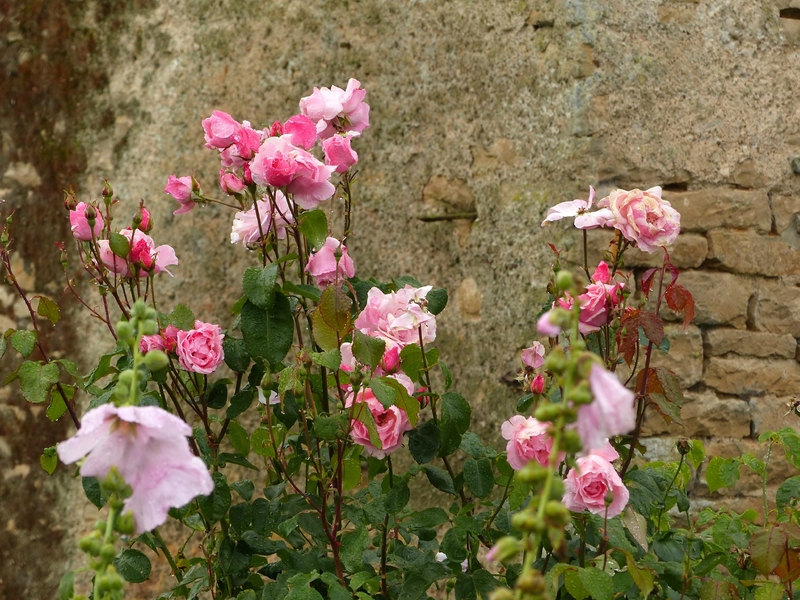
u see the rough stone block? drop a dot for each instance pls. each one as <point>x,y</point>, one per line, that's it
<point>785,210</point>
<point>720,298</point>
<point>777,307</point>
<point>747,376</point>
<point>770,413</point>
<point>704,415</point>
<point>751,253</point>
<point>703,210</point>
<point>688,252</point>
<point>685,357</point>
<point>749,343</point>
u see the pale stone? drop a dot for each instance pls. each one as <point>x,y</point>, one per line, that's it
<point>704,414</point>
<point>770,413</point>
<point>720,341</point>
<point>685,357</point>
<point>25,273</point>
<point>451,193</point>
<point>681,14</point>
<point>688,252</point>
<point>722,207</point>
<point>785,210</point>
<point>745,376</point>
<point>720,298</point>
<point>24,174</point>
<point>777,307</point>
<point>746,175</point>
<point>6,324</point>
<point>750,253</point>
<point>469,299</point>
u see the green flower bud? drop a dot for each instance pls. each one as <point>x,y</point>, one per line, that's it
<point>505,549</point>
<point>531,583</point>
<point>90,545</point>
<point>557,489</point>
<point>556,361</point>
<point>564,280</point>
<point>581,394</point>
<point>684,446</point>
<point>548,412</point>
<point>557,513</point>
<point>125,331</point>
<point>155,360</point>
<point>571,441</point>
<point>502,594</point>
<point>139,309</point>
<point>126,377</point>
<point>148,327</point>
<point>107,192</point>
<point>526,521</point>
<point>108,552</point>
<point>122,391</point>
<point>531,473</point>
<point>125,524</point>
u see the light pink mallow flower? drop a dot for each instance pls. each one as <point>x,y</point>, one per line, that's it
<point>181,189</point>
<point>580,210</point>
<point>245,223</point>
<point>302,131</point>
<point>80,224</point>
<point>643,218</point>
<point>280,163</point>
<point>527,440</point>
<point>324,267</point>
<point>545,325</point>
<point>610,413</point>
<point>533,357</point>
<point>220,130</point>
<point>335,108</point>
<point>200,349</point>
<point>339,153</point>
<point>390,422</point>
<point>592,479</point>
<point>148,447</point>
<point>396,317</point>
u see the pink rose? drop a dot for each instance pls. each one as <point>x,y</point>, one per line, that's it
<point>338,152</point>
<point>148,447</point>
<point>230,183</point>
<point>643,217</point>
<point>533,357</point>
<point>527,440</point>
<point>390,422</point>
<point>580,210</point>
<point>200,350</point>
<point>247,141</point>
<point>397,317</point>
<point>151,342</point>
<point>181,189</point>
<point>142,220</point>
<point>610,413</point>
<point>80,224</point>
<point>302,131</point>
<point>170,335</point>
<point>337,109</point>
<point>324,267</point>
<point>220,129</point>
<point>537,384</point>
<point>592,479</point>
<point>245,223</point>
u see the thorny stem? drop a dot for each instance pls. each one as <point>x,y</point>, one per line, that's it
<point>385,535</point>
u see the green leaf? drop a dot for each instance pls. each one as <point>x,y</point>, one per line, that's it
<point>448,375</point>
<point>768,547</point>
<point>332,320</point>
<point>49,460</point>
<point>479,476</point>
<point>314,225</point>
<point>236,356</point>
<point>791,443</point>
<point>119,244</point>
<point>456,414</point>
<point>397,497</point>
<point>788,493</point>
<point>261,443</point>
<point>722,472</point>
<point>302,290</point>
<point>597,582</point>
<point>215,506</point>
<point>352,473</point>
<point>524,403</point>
<point>361,413</point>
<point>244,488</point>
<point>485,583</point>
<point>239,403</point>
<point>411,362</point>
<point>353,545</point>
<point>454,544</point>
<point>369,350</point>
<point>440,479</point>
<point>259,285</point>
<point>769,590</point>
<point>574,585</point>
<point>697,453</point>
<point>91,487</point>
<point>426,519</point>
<point>3,345</point>
<point>391,392</point>
<point>668,411</point>
<point>756,465</point>
<point>23,342</point>
<point>236,309</point>
<point>268,334</point>
<point>437,300</point>
<point>58,404</point>
<point>66,589</point>
<point>182,318</point>
<point>714,589</point>
<point>237,459</point>
<point>424,442</point>
<point>331,359</point>
<point>238,437</point>
<point>48,309</point>
<point>327,428</point>
<point>35,379</point>
<point>234,557</point>
<point>133,565</point>
<point>217,395</point>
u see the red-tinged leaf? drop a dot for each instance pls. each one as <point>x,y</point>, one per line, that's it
<point>789,567</point>
<point>671,386</point>
<point>668,411</point>
<point>767,548</point>
<point>555,250</point>
<point>653,327</point>
<point>628,335</point>
<point>680,300</point>
<point>653,385</point>
<point>713,589</point>
<point>673,271</point>
<point>647,281</point>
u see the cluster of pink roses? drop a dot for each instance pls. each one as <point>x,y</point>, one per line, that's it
<point>642,217</point>
<point>199,350</point>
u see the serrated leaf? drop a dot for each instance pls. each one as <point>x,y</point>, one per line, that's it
<point>680,300</point>
<point>133,565</point>
<point>314,225</point>
<point>479,476</point>
<point>48,309</point>
<point>788,493</point>
<point>182,317</point>
<point>397,497</point>
<point>437,300</point>
<point>652,325</point>
<point>598,583</point>
<point>261,442</point>
<point>353,545</point>
<point>424,442</point>
<point>302,290</point>
<point>236,356</point>
<point>369,350</point>
<point>35,379</point>
<point>440,479</point>
<point>119,244</point>
<point>769,590</point>
<point>697,453</point>
<point>239,403</point>
<point>215,506</point>
<point>767,548</point>
<point>722,472</point>
<point>448,375</point>
<point>259,285</point>
<point>331,359</point>
<point>454,422</point>
<point>91,487</point>
<point>360,412</point>
<point>58,404</point>
<point>352,473</point>
<point>24,342</point>
<point>454,544</point>
<point>668,411</point>
<point>400,398</point>
<point>238,437</point>
<point>268,334</point>
<point>411,362</point>
<point>332,319</point>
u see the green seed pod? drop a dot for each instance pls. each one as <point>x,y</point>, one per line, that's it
<point>122,391</point>
<point>557,489</point>
<point>547,412</point>
<point>581,394</point>
<point>90,545</point>
<point>557,513</point>
<point>571,441</point>
<point>155,360</point>
<point>531,583</point>
<point>502,594</point>
<point>531,473</point>
<point>125,331</point>
<point>108,552</point>
<point>148,327</point>
<point>556,361</point>
<point>125,524</point>
<point>526,521</point>
<point>140,309</point>
<point>126,377</point>
<point>564,280</point>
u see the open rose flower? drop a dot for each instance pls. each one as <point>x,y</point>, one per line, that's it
<point>610,413</point>
<point>143,254</point>
<point>533,357</point>
<point>396,317</point>
<point>148,447</point>
<point>302,130</point>
<point>181,189</point>
<point>598,300</point>
<point>324,267</point>
<point>527,440</point>
<point>335,106</point>
<point>200,350</point>
<point>245,223</point>
<point>390,422</point>
<point>80,224</point>
<point>580,210</point>
<point>643,217</point>
<point>592,479</point>
<point>338,152</point>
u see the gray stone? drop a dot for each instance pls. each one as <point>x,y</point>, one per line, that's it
<point>720,341</point>
<point>748,252</point>
<point>703,210</point>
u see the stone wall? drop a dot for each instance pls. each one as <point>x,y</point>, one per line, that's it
<point>495,108</point>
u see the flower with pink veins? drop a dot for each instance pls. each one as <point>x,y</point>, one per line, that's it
<point>148,446</point>
<point>324,266</point>
<point>580,210</point>
<point>610,413</point>
<point>245,223</point>
<point>333,107</point>
<point>643,217</point>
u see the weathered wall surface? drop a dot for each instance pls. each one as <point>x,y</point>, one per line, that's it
<point>498,108</point>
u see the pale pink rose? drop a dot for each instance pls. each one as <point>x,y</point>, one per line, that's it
<point>337,109</point>
<point>390,363</point>
<point>245,223</point>
<point>200,350</point>
<point>324,267</point>
<point>643,218</point>
<point>111,261</point>
<point>230,183</point>
<point>148,447</point>
<point>598,300</point>
<point>151,342</point>
<point>302,131</point>
<point>527,440</point>
<point>591,480</point>
<point>580,210</point>
<point>537,384</point>
<point>610,413</point>
<point>279,163</point>
<point>220,130</point>
<point>396,317</point>
<point>247,140</point>
<point>80,224</point>
<point>390,422</point>
<point>338,152</point>
<point>533,357</point>
<point>181,189</point>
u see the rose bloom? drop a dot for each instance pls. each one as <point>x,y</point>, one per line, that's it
<point>167,340</point>
<point>598,300</point>
<point>230,182</point>
<point>533,357</point>
<point>302,130</point>
<point>338,152</point>
<point>527,440</point>
<point>390,422</point>
<point>390,363</point>
<point>610,413</point>
<point>245,223</point>
<point>591,480</point>
<point>643,217</point>
<point>580,210</point>
<point>347,106</point>
<point>200,350</point>
<point>80,224</point>
<point>396,317</point>
<point>220,130</point>
<point>148,447</point>
<point>181,189</point>
<point>324,267</point>
<point>143,253</point>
